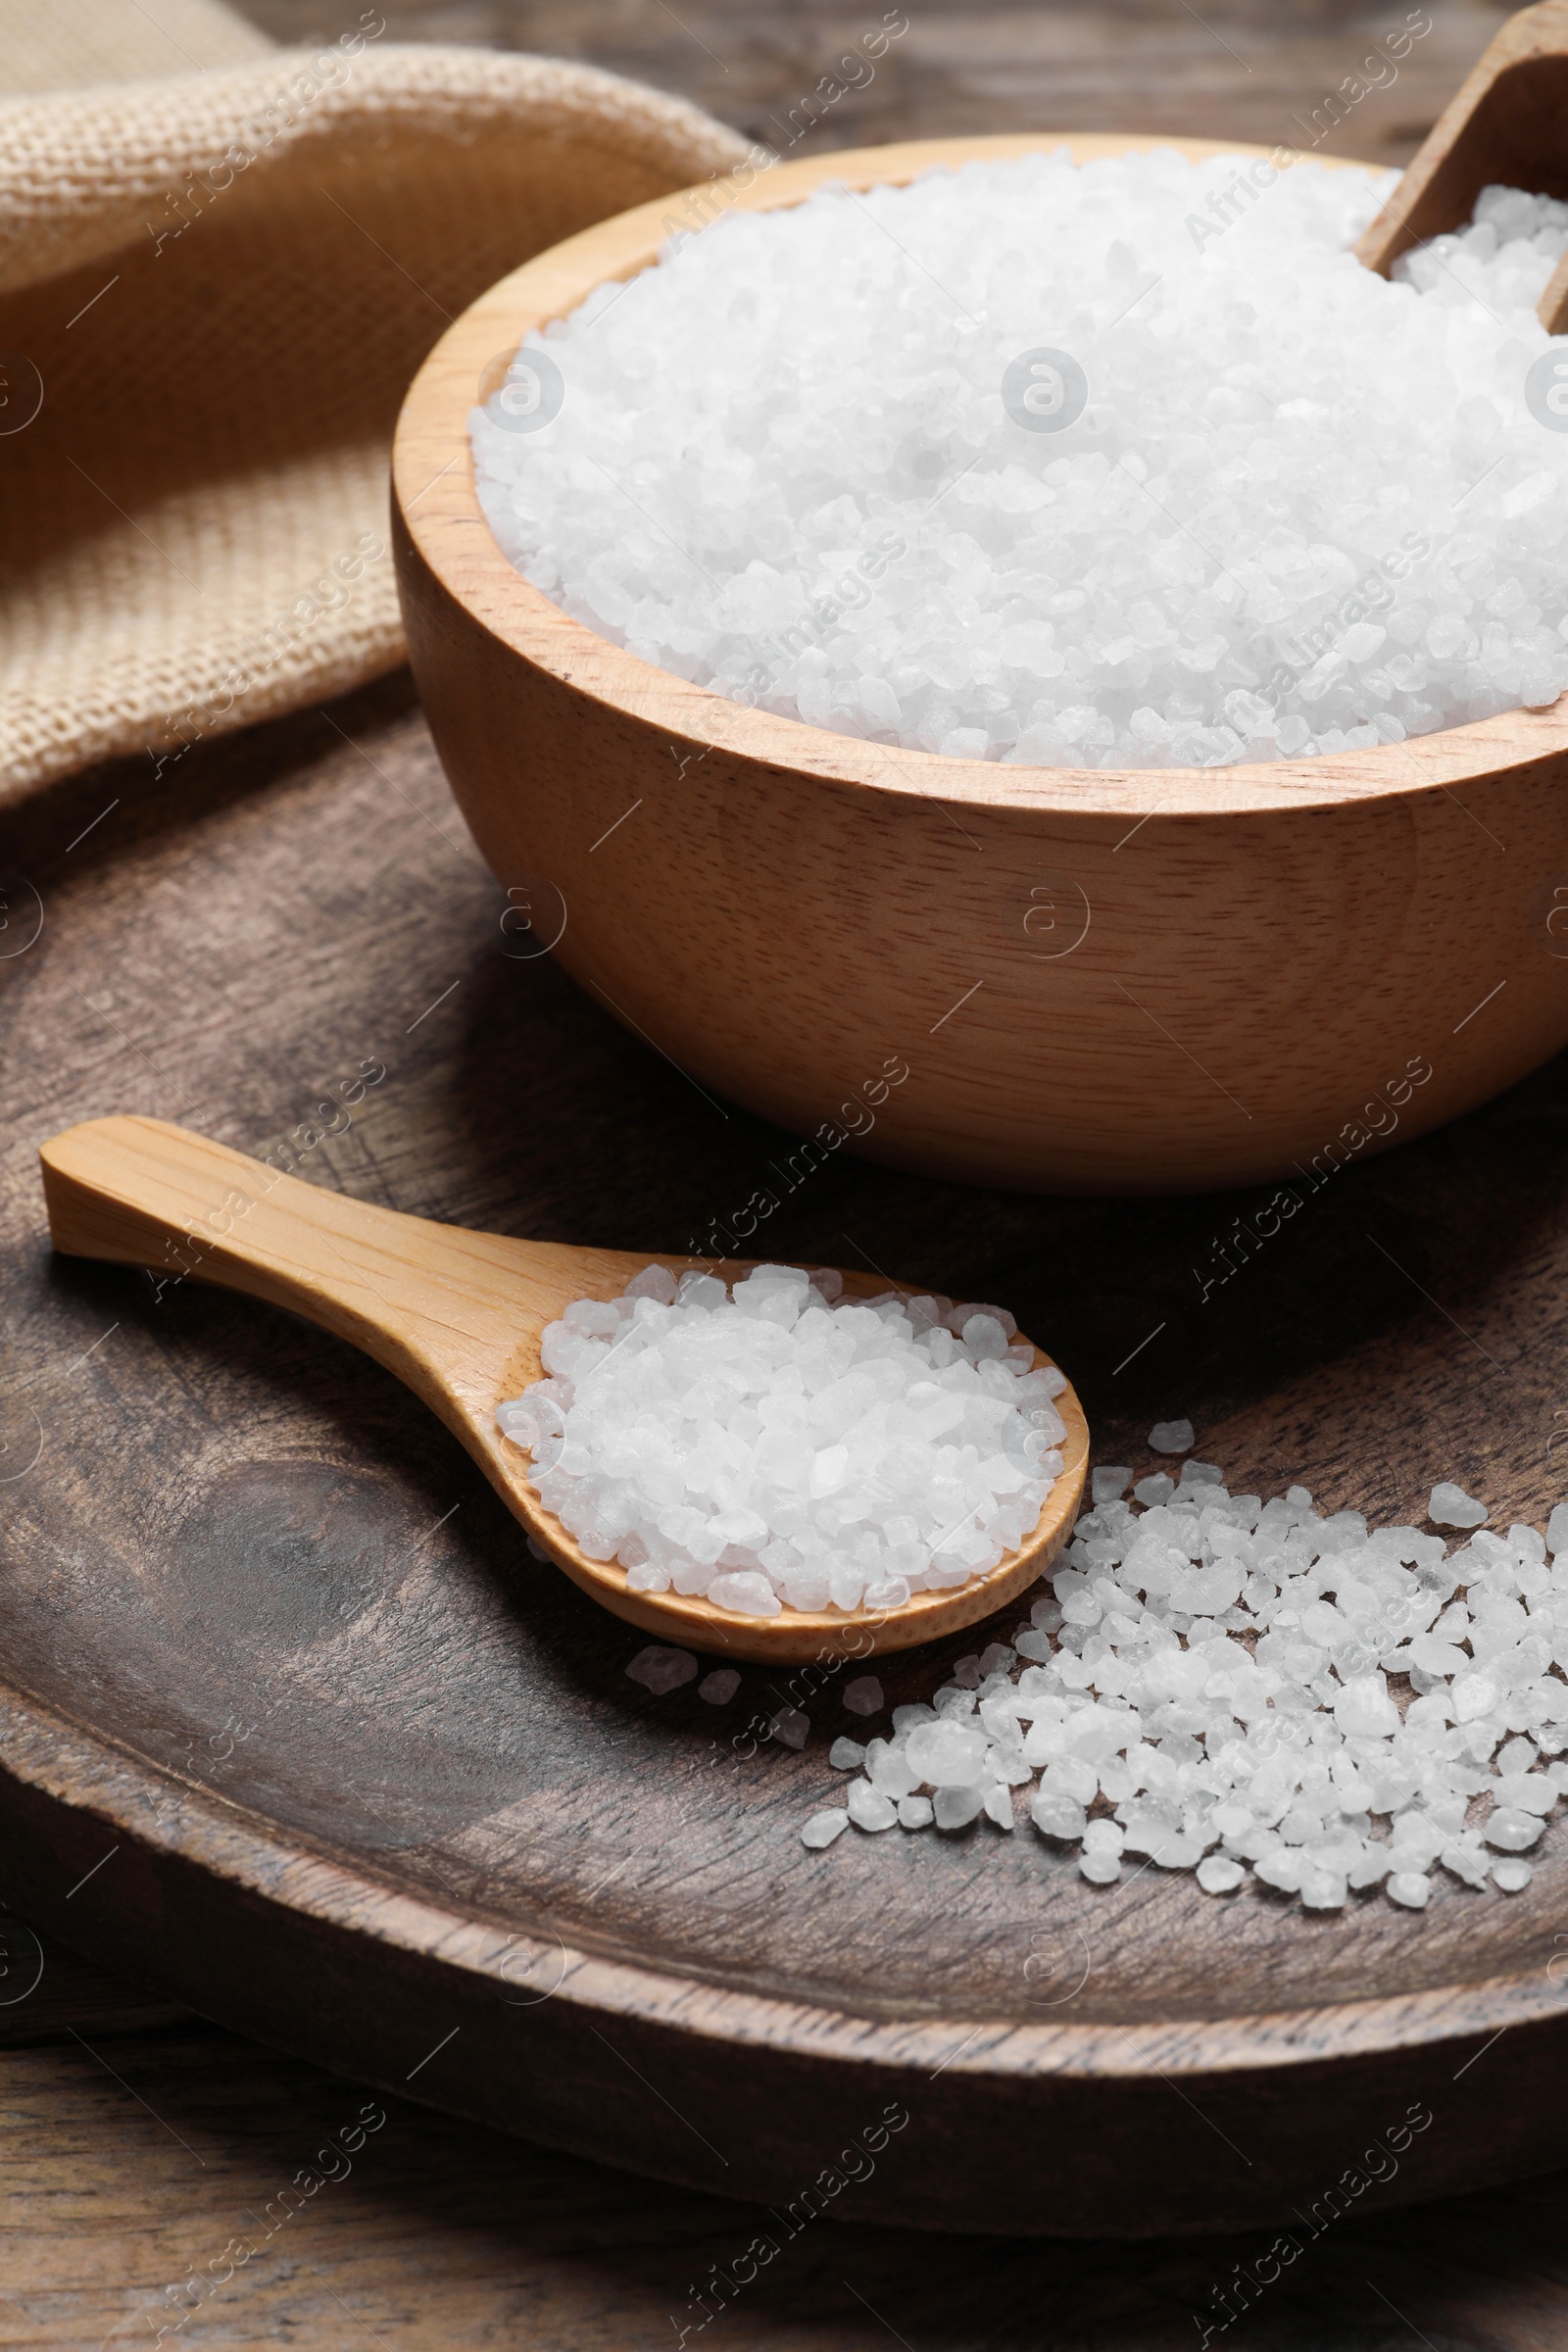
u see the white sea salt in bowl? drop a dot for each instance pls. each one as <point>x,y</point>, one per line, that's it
<point>1254,501</point>
<point>1126,978</point>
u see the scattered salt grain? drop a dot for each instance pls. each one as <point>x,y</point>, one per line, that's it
<point>776,1448</point>
<point>1058,1816</point>
<point>1466,1862</point>
<point>1323,1888</point>
<point>868,1808</point>
<point>1527,1791</point>
<point>1511,1829</point>
<point>791,1728</point>
<point>1107,1481</point>
<point>1242,1688</point>
<point>659,1669</point>
<point>719,1687</point>
<point>1451,1507</point>
<point>1130,464</point>
<point>824,1827</point>
<point>846,1755</point>
<point>1171,1436</point>
<point>863,1697</point>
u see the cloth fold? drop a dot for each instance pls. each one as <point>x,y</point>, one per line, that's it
<point>215,288</point>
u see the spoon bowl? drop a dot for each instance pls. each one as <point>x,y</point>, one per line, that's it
<point>459,1317</point>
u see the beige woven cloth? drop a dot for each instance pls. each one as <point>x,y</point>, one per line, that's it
<point>219,265</point>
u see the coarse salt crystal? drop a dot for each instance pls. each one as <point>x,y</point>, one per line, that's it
<point>1322,1889</point>
<point>956,1807</point>
<point>998,1805</point>
<point>868,1809</point>
<point>661,1669</point>
<point>1451,1507</point>
<point>1511,1829</point>
<point>1058,1816</point>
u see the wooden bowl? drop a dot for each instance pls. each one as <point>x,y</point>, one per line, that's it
<point>1132,981</point>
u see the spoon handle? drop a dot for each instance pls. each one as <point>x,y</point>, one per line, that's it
<point>417,1297</point>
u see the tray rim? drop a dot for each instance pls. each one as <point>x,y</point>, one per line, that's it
<point>98,1774</point>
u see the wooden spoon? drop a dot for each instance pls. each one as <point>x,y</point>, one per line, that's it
<point>459,1316</point>
<point>1508,123</point>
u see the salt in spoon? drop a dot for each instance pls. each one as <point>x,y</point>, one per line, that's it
<point>459,1316</point>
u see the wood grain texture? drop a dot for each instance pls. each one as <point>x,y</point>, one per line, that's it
<point>137,2167</point>
<point>351,1770</point>
<point>48,1993</point>
<point>1265,71</point>
<point>1079,968</point>
<point>1508,123</point>
<point>459,1318</point>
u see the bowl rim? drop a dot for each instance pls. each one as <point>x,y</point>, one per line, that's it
<point>436,502</point>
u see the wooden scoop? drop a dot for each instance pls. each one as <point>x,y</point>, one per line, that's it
<point>459,1317</point>
<point>1508,123</point>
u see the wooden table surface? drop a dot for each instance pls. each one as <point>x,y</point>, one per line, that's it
<point>144,2142</point>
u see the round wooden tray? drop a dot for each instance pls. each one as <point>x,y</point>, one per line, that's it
<point>294,1728</point>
